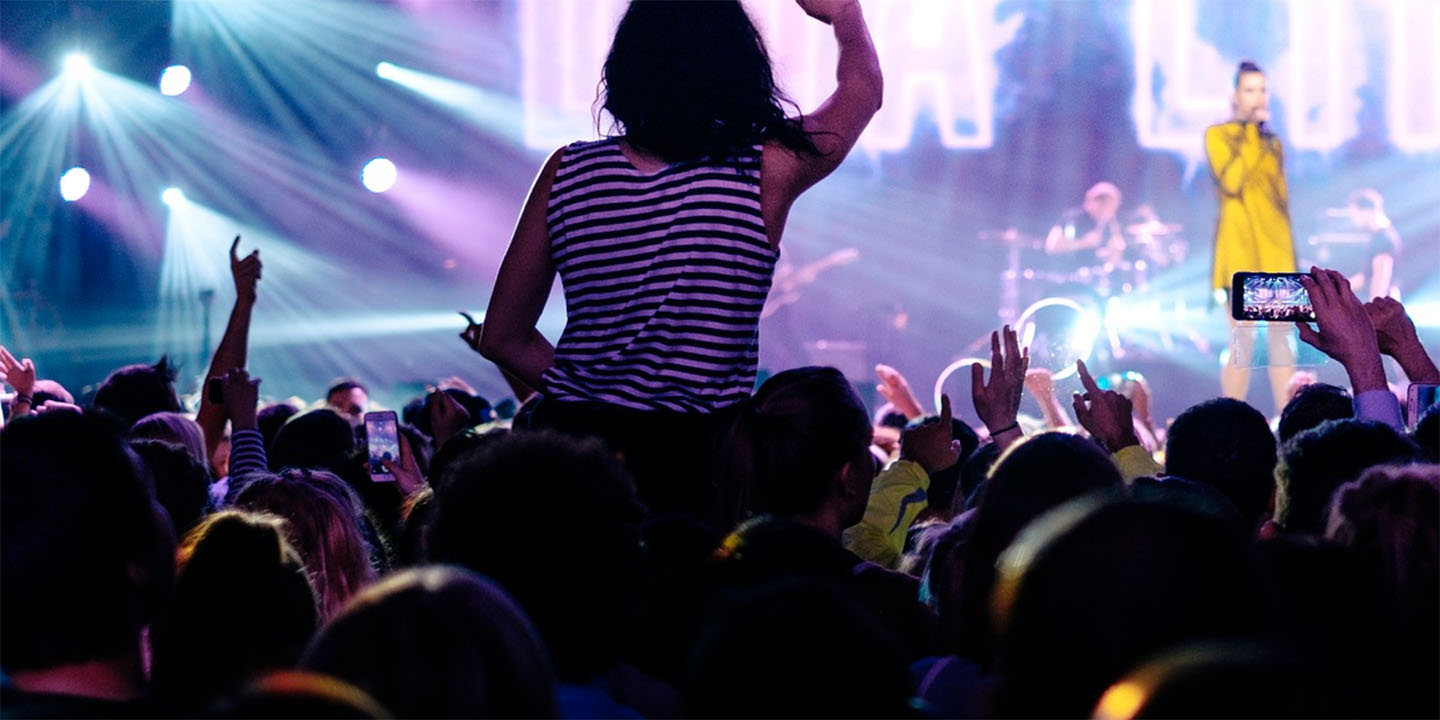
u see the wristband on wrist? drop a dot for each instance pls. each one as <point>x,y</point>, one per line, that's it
<point>1007,428</point>
<point>21,398</point>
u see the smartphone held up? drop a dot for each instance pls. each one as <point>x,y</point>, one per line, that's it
<point>382,437</point>
<point>1274,297</point>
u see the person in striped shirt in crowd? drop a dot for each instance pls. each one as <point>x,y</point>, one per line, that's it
<point>665,237</point>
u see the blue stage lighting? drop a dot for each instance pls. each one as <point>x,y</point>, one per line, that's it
<point>78,66</point>
<point>174,80</point>
<point>173,196</point>
<point>74,184</point>
<point>378,175</point>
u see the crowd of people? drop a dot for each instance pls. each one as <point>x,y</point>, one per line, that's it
<point>643,532</point>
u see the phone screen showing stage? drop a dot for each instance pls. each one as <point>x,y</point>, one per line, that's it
<point>1277,297</point>
<point>383,438</point>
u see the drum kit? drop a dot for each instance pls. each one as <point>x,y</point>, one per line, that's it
<point>1030,273</point>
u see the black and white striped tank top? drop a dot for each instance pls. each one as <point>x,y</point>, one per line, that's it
<point>665,275</point>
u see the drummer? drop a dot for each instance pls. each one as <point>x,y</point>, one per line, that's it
<point>1093,227</point>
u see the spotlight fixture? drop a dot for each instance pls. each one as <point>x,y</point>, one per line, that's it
<point>174,80</point>
<point>78,66</point>
<point>378,175</point>
<point>173,196</point>
<point>74,184</point>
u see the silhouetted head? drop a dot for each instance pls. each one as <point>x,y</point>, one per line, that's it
<point>271,418</point>
<point>134,391</point>
<point>802,446</point>
<point>1227,444</point>
<point>88,553</point>
<point>299,694</point>
<point>1030,478</point>
<point>688,80</point>
<point>799,648</point>
<point>1313,404</point>
<point>242,606</point>
<point>554,520</point>
<point>1391,518</point>
<point>316,439</point>
<point>1318,461</point>
<point>323,522</point>
<point>1091,590</point>
<point>1216,679</point>
<point>182,484</point>
<point>174,428</point>
<point>438,642</point>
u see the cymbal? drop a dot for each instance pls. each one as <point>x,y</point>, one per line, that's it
<point>1154,227</point>
<point>1009,236</point>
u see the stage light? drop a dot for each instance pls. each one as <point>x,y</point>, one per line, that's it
<point>386,71</point>
<point>951,369</point>
<point>378,175</point>
<point>74,184</point>
<point>1058,331</point>
<point>78,66</point>
<point>173,196</point>
<point>174,80</point>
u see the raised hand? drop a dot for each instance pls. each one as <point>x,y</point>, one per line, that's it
<point>406,472</point>
<point>1394,330</point>
<point>245,271</point>
<point>932,443</point>
<point>1344,329</point>
<point>18,374</point>
<point>471,333</point>
<point>997,402</point>
<point>896,390</point>
<point>826,10</point>
<point>447,416</point>
<point>1105,414</point>
<point>242,394</point>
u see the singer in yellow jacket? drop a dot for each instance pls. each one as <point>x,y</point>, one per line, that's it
<point>1252,232</point>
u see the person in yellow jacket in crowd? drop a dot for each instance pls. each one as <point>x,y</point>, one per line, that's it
<point>1252,232</point>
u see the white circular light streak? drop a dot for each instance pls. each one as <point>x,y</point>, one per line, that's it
<point>74,184</point>
<point>173,196</point>
<point>950,369</point>
<point>379,175</point>
<point>174,80</point>
<point>1082,334</point>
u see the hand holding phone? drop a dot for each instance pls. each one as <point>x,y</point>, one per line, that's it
<point>1343,329</point>
<point>382,438</point>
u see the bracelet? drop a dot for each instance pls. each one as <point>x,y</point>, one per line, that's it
<point>1007,428</point>
<point>21,398</point>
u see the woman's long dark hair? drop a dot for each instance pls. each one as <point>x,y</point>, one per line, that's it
<point>692,80</point>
